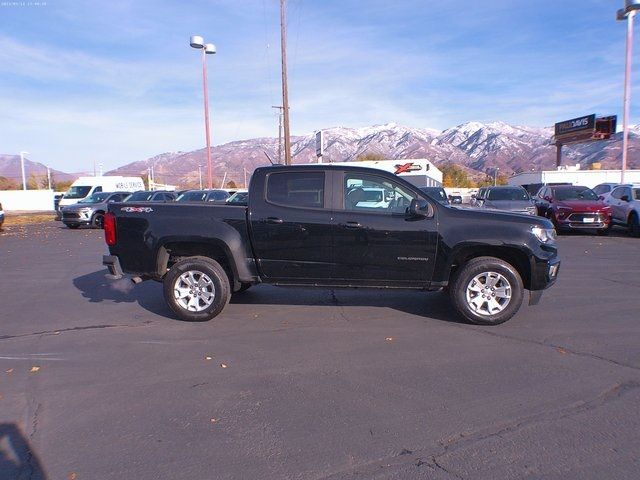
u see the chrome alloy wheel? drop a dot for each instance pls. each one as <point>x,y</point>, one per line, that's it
<point>488,293</point>
<point>194,291</point>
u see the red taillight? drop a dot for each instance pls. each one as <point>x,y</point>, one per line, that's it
<point>110,228</point>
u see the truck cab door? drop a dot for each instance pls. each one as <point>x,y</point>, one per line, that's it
<point>380,243</point>
<point>291,226</point>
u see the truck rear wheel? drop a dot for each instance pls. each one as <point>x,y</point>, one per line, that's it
<point>487,291</point>
<point>196,289</point>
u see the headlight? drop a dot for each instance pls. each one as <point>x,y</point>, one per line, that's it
<point>545,235</point>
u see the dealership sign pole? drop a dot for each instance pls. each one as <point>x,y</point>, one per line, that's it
<point>628,13</point>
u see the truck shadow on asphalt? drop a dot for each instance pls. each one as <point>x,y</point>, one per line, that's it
<point>433,305</point>
<point>17,457</point>
<point>96,288</point>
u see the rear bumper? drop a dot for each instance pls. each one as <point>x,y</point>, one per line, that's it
<point>113,265</point>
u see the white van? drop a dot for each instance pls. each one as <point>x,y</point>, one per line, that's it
<point>85,186</point>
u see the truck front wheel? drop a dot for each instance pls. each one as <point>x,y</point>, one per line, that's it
<point>197,289</point>
<point>487,291</point>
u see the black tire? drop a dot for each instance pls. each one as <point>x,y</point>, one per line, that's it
<point>97,221</point>
<point>243,287</point>
<point>72,226</point>
<point>470,275</point>
<point>210,277</point>
<point>634,225</point>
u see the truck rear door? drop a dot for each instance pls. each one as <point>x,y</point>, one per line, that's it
<point>290,220</point>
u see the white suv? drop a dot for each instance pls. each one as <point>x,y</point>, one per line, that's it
<point>624,201</point>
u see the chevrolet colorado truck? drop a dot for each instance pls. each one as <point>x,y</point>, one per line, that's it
<point>313,226</point>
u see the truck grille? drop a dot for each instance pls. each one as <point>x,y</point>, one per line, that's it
<point>70,215</point>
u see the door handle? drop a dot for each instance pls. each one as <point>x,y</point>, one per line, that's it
<point>351,225</point>
<point>274,220</point>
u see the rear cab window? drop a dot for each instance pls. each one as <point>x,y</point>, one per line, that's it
<point>296,189</point>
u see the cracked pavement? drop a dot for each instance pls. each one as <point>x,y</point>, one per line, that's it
<point>100,381</point>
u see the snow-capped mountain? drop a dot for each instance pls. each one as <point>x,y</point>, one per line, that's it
<point>480,147</point>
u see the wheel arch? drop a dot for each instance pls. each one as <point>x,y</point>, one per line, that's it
<point>512,255</point>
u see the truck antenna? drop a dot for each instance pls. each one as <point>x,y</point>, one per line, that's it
<point>268,158</point>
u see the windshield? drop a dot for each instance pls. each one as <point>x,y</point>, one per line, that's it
<point>140,197</point>
<point>507,194</point>
<point>574,193</point>
<point>197,196</point>
<point>238,197</point>
<point>77,192</point>
<point>372,196</point>
<point>437,193</point>
<point>95,198</point>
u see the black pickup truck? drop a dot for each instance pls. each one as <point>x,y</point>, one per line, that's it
<point>332,226</point>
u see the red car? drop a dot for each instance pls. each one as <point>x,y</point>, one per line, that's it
<point>573,207</point>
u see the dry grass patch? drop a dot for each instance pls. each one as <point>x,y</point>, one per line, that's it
<point>27,218</point>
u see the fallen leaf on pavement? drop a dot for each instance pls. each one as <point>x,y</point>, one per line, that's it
<point>34,369</point>
<point>223,365</point>
<point>561,350</point>
<point>9,370</point>
<point>208,358</point>
<point>72,476</point>
<point>389,339</point>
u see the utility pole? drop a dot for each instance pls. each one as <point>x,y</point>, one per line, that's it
<point>245,177</point>
<point>200,175</point>
<point>153,179</point>
<point>285,91</point>
<point>223,180</point>
<point>49,177</point>
<point>280,109</point>
<point>628,14</point>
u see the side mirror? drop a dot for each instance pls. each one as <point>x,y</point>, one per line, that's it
<point>625,198</point>
<point>600,197</point>
<point>419,208</point>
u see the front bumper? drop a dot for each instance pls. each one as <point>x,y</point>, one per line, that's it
<point>583,221</point>
<point>544,273</point>
<point>113,265</point>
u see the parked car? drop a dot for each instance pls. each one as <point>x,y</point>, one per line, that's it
<point>455,199</point>
<point>437,193</point>
<point>604,189</point>
<point>239,198</point>
<point>91,210</point>
<point>152,196</point>
<point>203,196</point>
<point>624,201</point>
<point>514,199</point>
<point>301,228</point>
<point>1,215</point>
<point>573,207</point>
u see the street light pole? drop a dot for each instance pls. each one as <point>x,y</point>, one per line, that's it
<point>200,175</point>
<point>628,13</point>
<point>197,41</point>
<point>24,179</point>
<point>495,176</point>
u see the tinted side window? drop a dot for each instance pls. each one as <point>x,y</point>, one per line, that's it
<point>97,189</point>
<point>296,189</point>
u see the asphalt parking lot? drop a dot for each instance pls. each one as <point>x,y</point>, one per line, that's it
<point>99,380</point>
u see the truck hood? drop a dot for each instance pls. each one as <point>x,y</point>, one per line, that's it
<point>501,216</point>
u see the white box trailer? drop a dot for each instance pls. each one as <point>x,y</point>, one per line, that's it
<point>85,186</point>
<point>532,181</point>
<point>420,172</point>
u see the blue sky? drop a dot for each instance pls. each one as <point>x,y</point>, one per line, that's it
<point>116,81</point>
